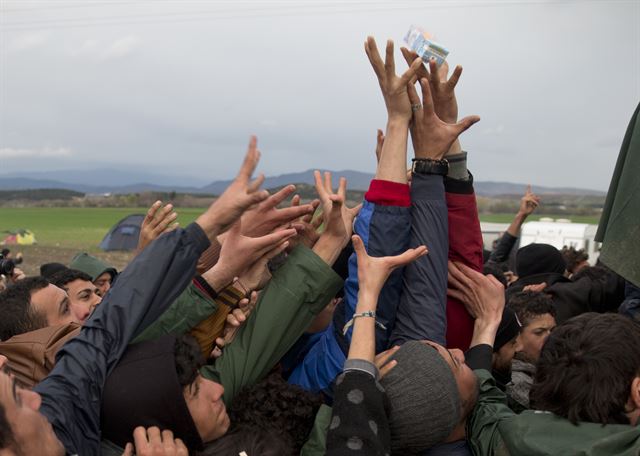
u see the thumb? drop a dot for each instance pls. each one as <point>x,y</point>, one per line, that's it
<point>358,246</point>
<point>466,123</point>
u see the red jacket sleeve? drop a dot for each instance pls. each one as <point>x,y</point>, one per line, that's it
<point>465,245</point>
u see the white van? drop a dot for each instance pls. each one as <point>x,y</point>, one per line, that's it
<point>557,233</point>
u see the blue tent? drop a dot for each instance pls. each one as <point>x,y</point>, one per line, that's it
<point>124,234</point>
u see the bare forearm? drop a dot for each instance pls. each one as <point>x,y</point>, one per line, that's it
<point>328,248</point>
<point>363,340</point>
<point>484,332</point>
<point>393,159</point>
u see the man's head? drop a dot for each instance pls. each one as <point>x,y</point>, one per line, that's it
<point>575,259</point>
<point>507,341</point>
<point>30,304</point>
<point>589,370</point>
<point>157,383</point>
<point>539,259</point>
<point>83,294</point>
<point>430,390</point>
<point>537,314</point>
<point>101,273</point>
<point>23,430</point>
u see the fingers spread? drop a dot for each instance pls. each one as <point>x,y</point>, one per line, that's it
<point>281,195</point>
<point>466,123</point>
<point>389,62</point>
<point>250,161</point>
<point>455,77</point>
<point>427,100</point>
<point>371,48</point>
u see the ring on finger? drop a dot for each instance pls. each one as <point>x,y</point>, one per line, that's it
<point>416,107</point>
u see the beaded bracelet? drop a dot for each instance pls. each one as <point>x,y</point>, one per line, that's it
<point>368,313</point>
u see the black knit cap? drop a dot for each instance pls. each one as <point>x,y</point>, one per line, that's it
<point>538,259</point>
<point>509,328</point>
<point>143,390</point>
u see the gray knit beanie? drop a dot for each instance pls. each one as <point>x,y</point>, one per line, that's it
<point>424,399</point>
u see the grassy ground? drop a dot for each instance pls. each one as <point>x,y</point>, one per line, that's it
<point>63,232</point>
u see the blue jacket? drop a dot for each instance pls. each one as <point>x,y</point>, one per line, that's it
<point>72,392</point>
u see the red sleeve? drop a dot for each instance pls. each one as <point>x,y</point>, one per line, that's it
<point>465,245</point>
<point>387,193</point>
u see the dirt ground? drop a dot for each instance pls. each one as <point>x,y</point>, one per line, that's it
<point>35,255</point>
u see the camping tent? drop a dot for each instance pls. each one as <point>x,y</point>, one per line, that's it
<point>19,237</point>
<point>124,234</point>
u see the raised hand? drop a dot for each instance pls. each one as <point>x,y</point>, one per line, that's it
<point>394,88</point>
<point>239,253</point>
<point>482,296</point>
<point>334,210</point>
<point>307,226</point>
<point>158,220</point>
<point>237,198</point>
<point>266,216</point>
<point>152,442</point>
<point>374,271</point>
<point>442,87</point>
<point>529,202</point>
<point>235,320</point>
<point>431,136</point>
<point>257,275</point>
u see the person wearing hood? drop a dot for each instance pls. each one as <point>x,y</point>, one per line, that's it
<point>101,273</point>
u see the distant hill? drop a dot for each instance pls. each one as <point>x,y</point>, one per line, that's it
<point>356,181</point>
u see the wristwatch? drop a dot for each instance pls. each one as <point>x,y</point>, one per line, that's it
<point>430,166</point>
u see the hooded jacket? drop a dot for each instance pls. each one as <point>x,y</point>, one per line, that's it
<point>494,430</point>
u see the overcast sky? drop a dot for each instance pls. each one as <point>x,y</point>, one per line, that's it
<point>177,87</point>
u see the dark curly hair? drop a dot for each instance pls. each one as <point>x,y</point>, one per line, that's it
<point>250,440</point>
<point>586,368</point>
<point>189,360</point>
<point>530,304</point>
<point>573,257</point>
<point>278,407</point>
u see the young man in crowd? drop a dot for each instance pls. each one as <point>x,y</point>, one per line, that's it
<point>62,414</point>
<point>538,317</point>
<point>83,295</point>
<point>102,275</point>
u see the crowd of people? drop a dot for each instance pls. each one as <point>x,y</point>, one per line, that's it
<point>272,327</point>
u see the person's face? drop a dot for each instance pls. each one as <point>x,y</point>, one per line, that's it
<point>534,335</point>
<point>465,378</point>
<point>53,303</point>
<point>83,298</point>
<point>503,357</point>
<point>31,430</point>
<point>204,400</point>
<point>103,282</point>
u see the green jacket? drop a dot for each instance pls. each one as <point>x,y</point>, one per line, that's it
<point>493,429</point>
<point>298,291</point>
<point>191,307</point>
<point>619,228</point>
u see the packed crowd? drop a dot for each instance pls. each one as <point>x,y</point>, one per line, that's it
<point>270,327</point>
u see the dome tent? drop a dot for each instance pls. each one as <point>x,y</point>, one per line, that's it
<point>124,234</point>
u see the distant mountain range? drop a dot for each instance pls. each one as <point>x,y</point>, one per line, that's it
<point>114,181</point>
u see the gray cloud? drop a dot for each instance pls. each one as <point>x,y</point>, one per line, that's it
<point>171,87</point>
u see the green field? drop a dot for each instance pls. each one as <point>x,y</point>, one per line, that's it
<point>85,227</point>
<point>73,227</point>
